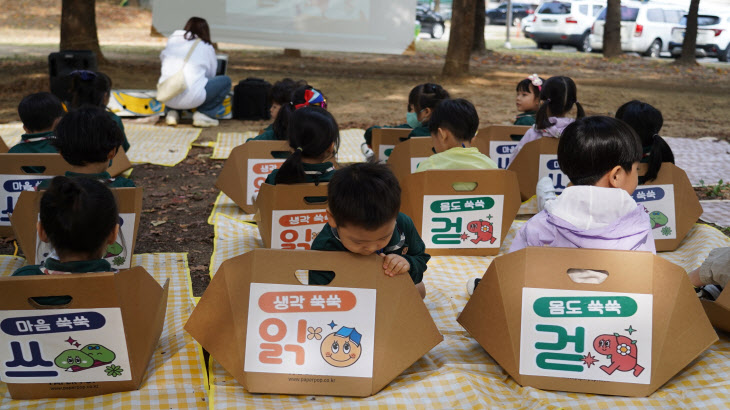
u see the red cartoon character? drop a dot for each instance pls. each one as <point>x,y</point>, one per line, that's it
<point>620,350</point>
<point>483,229</point>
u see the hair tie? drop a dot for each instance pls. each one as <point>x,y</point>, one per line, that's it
<point>536,81</point>
<point>312,97</point>
<point>300,149</point>
<point>655,138</point>
<point>548,100</point>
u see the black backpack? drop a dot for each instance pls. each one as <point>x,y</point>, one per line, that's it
<point>252,99</point>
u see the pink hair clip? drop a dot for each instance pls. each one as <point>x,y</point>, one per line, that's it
<point>536,81</point>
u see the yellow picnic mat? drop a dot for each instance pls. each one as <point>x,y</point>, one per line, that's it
<point>11,133</point>
<point>529,207</point>
<point>176,377</point>
<point>228,140</point>
<point>225,206</point>
<point>458,373</point>
<point>166,146</point>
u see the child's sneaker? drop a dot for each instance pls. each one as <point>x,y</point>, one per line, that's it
<point>709,292</point>
<point>545,191</point>
<point>203,121</point>
<point>471,285</point>
<point>172,117</point>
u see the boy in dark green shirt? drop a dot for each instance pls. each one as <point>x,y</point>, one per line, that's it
<point>364,218</point>
<point>39,112</point>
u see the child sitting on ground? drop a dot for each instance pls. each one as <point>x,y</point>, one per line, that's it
<point>647,121</point>
<point>600,156</point>
<point>281,94</point>
<point>314,137</point>
<point>363,217</point>
<point>79,217</point>
<point>557,98</point>
<point>39,112</point>
<point>453,125</point>
<point>713,275</point>
<point>528,100</point>
<point>301,97</point>
<point>88,139</point>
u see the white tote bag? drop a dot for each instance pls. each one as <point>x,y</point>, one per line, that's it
<point>175,84</point>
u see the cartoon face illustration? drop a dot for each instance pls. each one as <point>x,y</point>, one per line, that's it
<point>658,219</point>
<point>99,353</point>
<point>342,348</point>
<point>113,250</point>
<point>621,351</point>
<point>71,357</point>
<point>483,229</point>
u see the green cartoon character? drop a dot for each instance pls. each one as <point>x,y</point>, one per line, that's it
<point>73,360</point>
<point>658,219</point>
<point>114,249</point>
<point>99,353</point>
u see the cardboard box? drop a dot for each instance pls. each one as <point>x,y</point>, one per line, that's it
<point>3,147</point>
<point>14,180</point>
<point>291,349</point>
<point>453,222</point>
<point>385,139</point>
<point>672,204</point>
<point>291,215</point>
<point>247,168</point>
<point>718,311</point>
<point>119,315</point>
<point>119,254</point>
<point>120,163</point>
<point>626,336</point>
<point>406,156</point>
<point>497,142</point>
<point>535,160</point>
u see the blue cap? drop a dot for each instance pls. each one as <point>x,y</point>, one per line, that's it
<point>351,333</point>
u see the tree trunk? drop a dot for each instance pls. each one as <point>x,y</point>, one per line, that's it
<point>689,45</point>
<point>612,29</point>
<point>78,27</point>
<point>436,5</point>
<point>461,37</point>
<point>479,46</point>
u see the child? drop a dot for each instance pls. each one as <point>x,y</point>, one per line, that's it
<point>301,97</point>
<point>453,125</point>
<point>647,121</point>
<point>600,156</point>
<point>528,100</point>
<point>94,88</point>
<point>557,98</point>
<point>88,139</point>
<point>79,217</point>
<point>363,217</point>
<point>713,275</point>
<point>280,94</point>
<point>314,137</point>
<point>39,112</point>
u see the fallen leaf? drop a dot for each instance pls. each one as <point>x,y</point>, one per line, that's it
<point>158,223</point>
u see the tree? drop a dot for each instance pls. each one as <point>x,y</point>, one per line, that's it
<point>479,46</point>
<point>689,45</point>
<point>612,29</point>
<point>461,38</point>
<point>78,27</point>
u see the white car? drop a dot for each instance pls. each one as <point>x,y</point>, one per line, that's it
<point>713,36</point>
<point>564,22</point>
<point>646,27</point>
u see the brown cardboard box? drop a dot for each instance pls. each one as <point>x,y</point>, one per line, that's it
<point>535,160</point>
<point>406,156</point>
<point>246,169</point>
<point>119,255</point>
<point>3,147</point>
<point>14,180</point>
<point>384,324</point>
<point>718,311</point>
<point>295,214</point>
<point>122,312</point>
<point>496,142</point>
<point>385,139</point>
<point>672,205</point>
<point>477,230</point>
<point>544,329</point>
<point>120,163</point>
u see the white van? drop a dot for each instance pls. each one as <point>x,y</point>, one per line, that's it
<point>564,22</point>
<point>713,36</point>
<point>646,27</point>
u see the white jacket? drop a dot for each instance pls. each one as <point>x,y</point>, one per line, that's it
<point>200,67</point>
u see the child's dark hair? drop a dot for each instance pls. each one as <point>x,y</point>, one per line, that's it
<point>527,86</point>
<point>364,195</point>
<point>312,131</point>
<point>281,123</point>
<point>558,95</point>
<point>78,215</point>
<point>426,95</point>
<point>647,121</point>
<point>458,116</point>
<point>89,88</point>
<point>87,135</point>
<point>592,146</point>
<point>39,111</point>
<point>282,90</point>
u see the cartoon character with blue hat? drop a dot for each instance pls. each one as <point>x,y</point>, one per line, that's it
<point>342,348</point>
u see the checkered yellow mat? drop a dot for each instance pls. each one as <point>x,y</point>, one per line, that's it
<point>225,206</point>
<point>528,207</point>
<point>228,140</point>
<point>166,146</point>
<point>11,133</point>
<point>458,373</point>
<point>176,377</point>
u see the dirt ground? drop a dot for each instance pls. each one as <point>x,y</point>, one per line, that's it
<point>362,90</point>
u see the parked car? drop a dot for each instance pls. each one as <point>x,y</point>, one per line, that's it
<point>564,22</point>
<point>646,27</point>
<point>499,14</point>
<point>713,36</point>
<point>444,8</point>
<point>431,22</point>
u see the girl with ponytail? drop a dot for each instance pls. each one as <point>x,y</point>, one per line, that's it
<point>303,96</point>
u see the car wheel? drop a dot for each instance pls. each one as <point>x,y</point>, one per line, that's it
<point>437,31</point>
<point>544,46</point>
<point>585,43</point>
<point>655,49</point>
<point>725,55</point>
